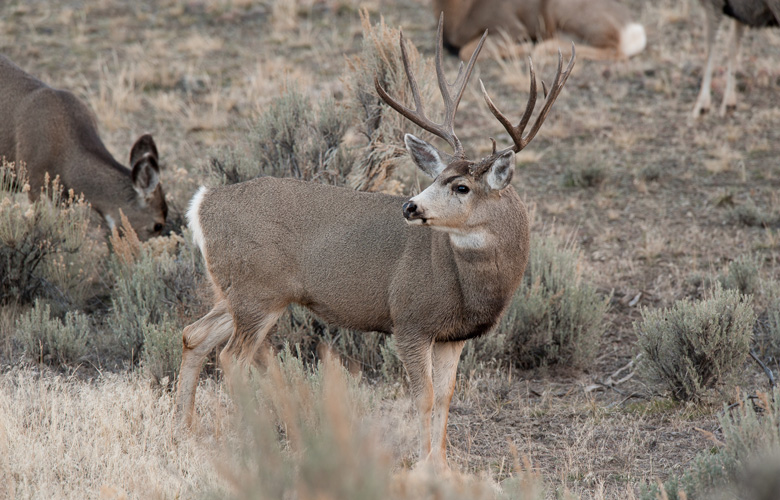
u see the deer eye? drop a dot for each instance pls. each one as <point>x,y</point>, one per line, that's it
<point>158,227</point>
<point>462,189</point>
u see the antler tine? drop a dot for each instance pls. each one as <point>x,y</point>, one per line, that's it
<point>445,130</point>
<point>516,133</point>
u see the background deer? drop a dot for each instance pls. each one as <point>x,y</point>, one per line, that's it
<point>755,13</point>
<point>605,27</point>
<point>53,132</point>
<point>434,270</point>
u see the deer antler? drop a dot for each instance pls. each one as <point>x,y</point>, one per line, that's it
<point>516,133</point>
<point>445,130</point>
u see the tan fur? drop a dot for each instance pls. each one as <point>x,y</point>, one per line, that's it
<point>594,24</point>
<point>52,131</point>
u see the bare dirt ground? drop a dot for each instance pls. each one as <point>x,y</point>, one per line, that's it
<point>662,210</point>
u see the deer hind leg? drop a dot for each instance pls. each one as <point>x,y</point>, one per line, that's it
<point>445,367</point>
<point>704,100</point>
<point>198,340</point>
<point>252,324</point>
<point>416,357</point>
<point>730,95</point>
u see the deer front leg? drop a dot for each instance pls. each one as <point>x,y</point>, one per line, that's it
<point>730,95</point>
<point>704,100</point>
<point>415,353</point>
<point>445,368</point>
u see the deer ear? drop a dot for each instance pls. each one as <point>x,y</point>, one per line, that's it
<point>146,175</point>
<point>143,146</point>
<point>425,156</point>
<point>501,171</point>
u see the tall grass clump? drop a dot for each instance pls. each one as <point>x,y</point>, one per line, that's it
<point>694,345</point>
<point>383,128</point>
<point>313,432</point>
<point>554,318</point>
<point>51,340</point>
<point>44,248</point>
<point>154,297</point>
<point>745,462</point>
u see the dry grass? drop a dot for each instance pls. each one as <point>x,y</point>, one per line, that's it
<point>196,74</point>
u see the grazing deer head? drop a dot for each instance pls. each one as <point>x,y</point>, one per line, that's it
<point>436,277</point>
<point>54,133</point>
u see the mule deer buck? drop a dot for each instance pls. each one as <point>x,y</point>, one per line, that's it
<point>442,273</point>
<point>754,13</point>
<point>605,28</point>
<point>53,132</point>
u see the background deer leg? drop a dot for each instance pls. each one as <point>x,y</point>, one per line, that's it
<point>199,339</point>
<point>730,95</point>
<point>416,356</point>
<point>704,99</point>
<point>445,367</point>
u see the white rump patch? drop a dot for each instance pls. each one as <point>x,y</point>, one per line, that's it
<point>633,39</point>
<point>193,220</point>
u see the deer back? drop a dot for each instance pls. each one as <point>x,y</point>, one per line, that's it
<point>54,132</point>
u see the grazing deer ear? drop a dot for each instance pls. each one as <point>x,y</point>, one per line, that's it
<point>424,155</point>
<point>143,146</point>
<point>501,171</point>
<point>146,175</point>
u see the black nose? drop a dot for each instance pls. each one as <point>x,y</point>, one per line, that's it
<point>409,208</point>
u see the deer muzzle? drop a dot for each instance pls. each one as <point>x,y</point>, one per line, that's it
<point>412,213</point>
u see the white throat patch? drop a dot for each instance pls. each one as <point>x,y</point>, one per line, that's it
<point>474,240</point>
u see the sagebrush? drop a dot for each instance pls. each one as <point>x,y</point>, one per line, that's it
<point>693,346</point>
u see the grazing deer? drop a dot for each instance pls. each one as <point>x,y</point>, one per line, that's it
<point>442,273</point>
<point>605,27</point>
<point>53,132</point>
<point>754,13</point>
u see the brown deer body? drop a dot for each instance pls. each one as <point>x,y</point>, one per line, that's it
<point>53,132</point>
<point>435,270</point>
<point>753,13</point>
<point>605,27</point>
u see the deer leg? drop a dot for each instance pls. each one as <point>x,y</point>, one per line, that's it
<point>704,100</point>
<point>251,328</point>
<point>730,96</point>
<point>416,357</point>
<point>198,340</point>
<point>445,367</point>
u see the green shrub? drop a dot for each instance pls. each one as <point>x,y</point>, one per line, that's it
<point>747,458</point>
<point>694,345</point>
<point>371,353</point>
<point>742,275</point>
<point>752,215</point>
<point>293,138</point>
<point>154,297</point>
<point>769,325</point>
<point>51,340</point>
<point>554,318</point>
<point>584,176</point>
<point>44,248</point>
